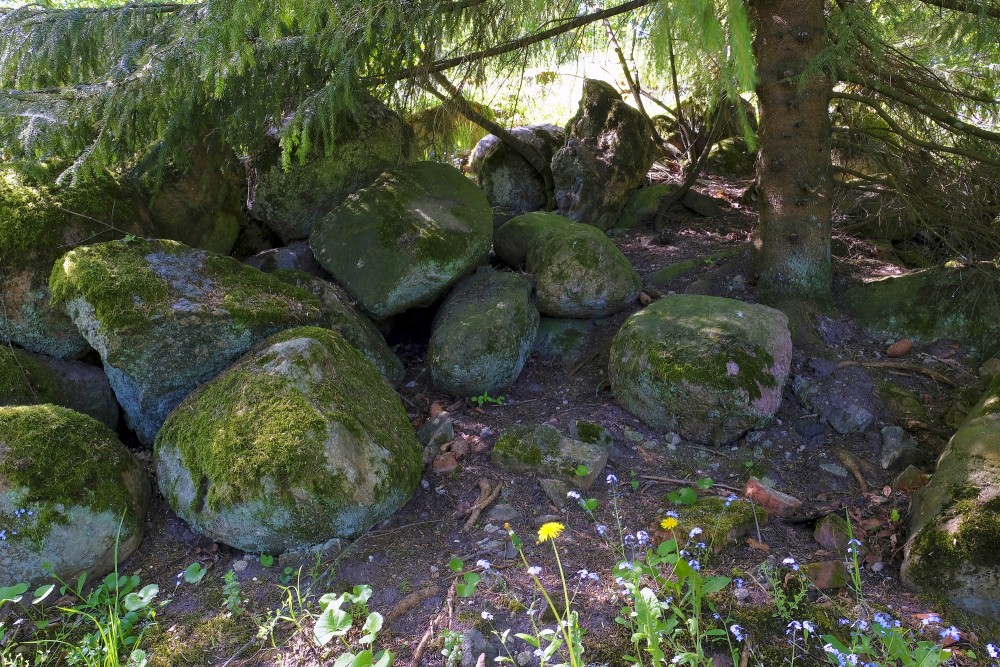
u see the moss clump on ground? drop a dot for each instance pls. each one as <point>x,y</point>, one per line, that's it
<point>196,640</point>
<point>516,449</point>
<point>722,521</point>
<point>24,380</point>
<point>62,459</point>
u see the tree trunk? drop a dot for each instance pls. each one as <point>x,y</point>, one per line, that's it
<point>792,244</point>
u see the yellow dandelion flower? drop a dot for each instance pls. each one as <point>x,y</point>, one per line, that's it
<point>550,531</point>
<point>669,523</point>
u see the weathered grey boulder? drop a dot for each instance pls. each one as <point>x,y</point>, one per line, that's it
<point>33,379</point>
<point>509,182</point>
<point>38,222</point>
<point>482,334</point>
<point>299,442</point>
<point>705,367</point>
<point>165,317</point>
<point>579,272</point>
<point>292,198</point>
<point>642,204</point>
<point>71,495</point>
<point>296,256</point>
<point>564,339</point>
<point>403,241</point>
<point>201,203</point>
<point>953,551</point>
<point>956,303</point>
<point>545,452</point>
<point>607,154</point>
<point>340,315</point>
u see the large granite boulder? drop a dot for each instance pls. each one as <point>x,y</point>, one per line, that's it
<point>508,180</point>
<point>705,367</point>
<point>579,272</point>
<point>482,334</point>
<point>200,203</point>
<point>403,241</point>
<point>298,443</point>
<point>33,379</point>
<point>71,495</point>
<point>38,222</point>
<point>165,317</point>
<point>953,551</point>
<point>956,303</point>
<point>340,315</point>
<point>607,154</point>
<point>292,198</point>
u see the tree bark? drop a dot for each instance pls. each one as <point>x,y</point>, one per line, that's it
<point>792,244</point>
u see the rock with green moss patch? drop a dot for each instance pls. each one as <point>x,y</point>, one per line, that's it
<point>299,442</point>
<point>722,522</point>
<point>507,180</point>
<point>403,241</point>
<point>165,317</point>
<point>958,303</point>
<point>579,272</point>
<point>33,379</point>
<point>564,339</point>
<point>340,315</point>
<point>607,155</point>
<point>71,495</point>
<point>482,334</point>
<point>642,205</point>
<point>292,198</point>
<point>38,222</point>
<point>953,551</point>
<point>705,367</point>
<point>545,452</point>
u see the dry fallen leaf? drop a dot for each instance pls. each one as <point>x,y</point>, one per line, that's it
<point>436,409</point>
<point>759,546</point>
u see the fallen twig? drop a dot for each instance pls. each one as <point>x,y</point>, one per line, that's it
<point>687,482</point>
<point>488,492</point>
<point>412,600</point>
<point>851,463</point>
<point>901,366</point>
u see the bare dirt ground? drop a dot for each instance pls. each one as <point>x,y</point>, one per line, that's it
<point>405,559</point>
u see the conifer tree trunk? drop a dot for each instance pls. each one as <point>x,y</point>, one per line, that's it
<point>792,245</point>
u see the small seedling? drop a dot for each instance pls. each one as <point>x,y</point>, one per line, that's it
<point>286,576</point>
<point>231,594</point>
<point>683,496</point>
<point>266,560</point>
<point>467,587</point>
<point>485,398</point>
<point>581,471</point>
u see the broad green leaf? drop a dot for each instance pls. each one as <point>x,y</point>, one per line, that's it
<point>266,560</point>
<point>455,564</point>
<point>371,627</point>
<point>704,483</point>
<point>41,593</point>
<point>136,601</point>
<point>363,659</point>
<point>333,622</point>
<point>714,584</point>
<point>331,599</point>
<point>382,659</point>
<point>531,639</point>
<point>361,594</point>
<point>13,593</point>
<point>194,573</point>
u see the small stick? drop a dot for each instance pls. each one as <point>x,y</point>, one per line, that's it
<point>851,463</point>
<point>684,482</point>
<point>899,365</point>
<point>483,503</point>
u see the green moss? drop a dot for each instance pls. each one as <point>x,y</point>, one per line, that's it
<point>195,640</point>
<point>62,459</point>
<point>722,524</point>
<point>589,432</point>
<point>24,380</point>
<point>248,426</point>
<point>902,403</point>
<point>515,448</point>
<point>119,281</point>
<point>976,541</point>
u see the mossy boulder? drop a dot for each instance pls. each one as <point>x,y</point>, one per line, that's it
<point>403,241</point>
<point>33,379</point>
<point>953,551</point>
<point>705,367</point>
<point>542,450</point>
<point>608,152</point>
<point>165,317</point>
<point>731,157</point>
<point>642,204</point>
<point>507,180</point>
<point>71,495</point>
<point>564,339</point>
<point>957,303</point>
<point>340,315</point>
<point>299,442</point>
<point>579,272</point>
<point>292,198</point>
<point>38,222</point>
<point>482,334</point>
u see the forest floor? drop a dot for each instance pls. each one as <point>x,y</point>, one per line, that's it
<point>406,559</point>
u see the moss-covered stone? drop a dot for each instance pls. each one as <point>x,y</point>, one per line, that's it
<point>722,522</point>
<point>543,451</point>
<point>482,334</point>
<point>563,339</point>
<point>957,303</point>
<point>340,315</point>
<point>954,543</point>
<point>299,442</point>
<point>607,154</point>
<point>578,271</point>
<point>32,379</point>
<point>292,198</point>
<point>70,494</point>
<point>902,404</point>
<point>731,157</point>
<point>507,180</point>
<point>705,367</point>
<point>165,317</point>
<point>39,221</point>
<point>403,241</point>
<point>642,205</point>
